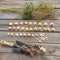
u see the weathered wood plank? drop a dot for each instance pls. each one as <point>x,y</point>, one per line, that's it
<point>15,15</point>
<point>4,24</point>
<point>51,49</point>
<point>6,5</point>
<point>19,4</point>
<point>19,57</point>
<point>52,44</point>
<point>53,38</point>
<point>7,21</point>
<point>5,28</point>
<point>50,1</point>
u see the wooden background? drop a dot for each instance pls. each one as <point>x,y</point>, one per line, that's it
<point>52,44</point>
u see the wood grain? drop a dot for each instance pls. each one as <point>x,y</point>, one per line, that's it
<point>15,15</point>
<point>54,1</point>
<point>17,57</point>
<point>52,44</point>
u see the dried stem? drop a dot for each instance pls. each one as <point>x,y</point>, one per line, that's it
<point>19,10</point>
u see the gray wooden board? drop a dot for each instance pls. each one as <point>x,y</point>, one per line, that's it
<point>52,50</point>
<point>10,15</point>
<point>7,21</point>
<point>15,15</point>
<point>52,45</point>
<point>55,1</point>
<point>4,24</point>
<point>23,57</point>
<point>52,38</point>
<point>33,1</point>
<point>57,30</point>
<point>7,5</point>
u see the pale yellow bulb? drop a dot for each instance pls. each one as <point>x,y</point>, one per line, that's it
<point>30,23</point>
<point>45,24</point>
<point>14,28</point>
<point>53,29</point>
<point>31,29</point>
<point>39,29</point>
<point>10,28</point>
<point>42,49</point>
<point>51,24</point>
<point>21,34</point>
<point>27,29</point>
<point>48,29</point>
<point>24,34</point>
<point>29,34</point>
<point>39,24</point>
<point>34,23</point>
<point>44,29</point>
<point>32,35</point>
<point>8,33</point>
<point>11,34</point>
<point>18,27</point>
<point>22,28</point>
<point>10,23</point>
<point>42,34</point>
<point>16,23</point>
<point>21,23</point>
<point>17,34</point>
<point>35,28</point>
<point>26,22</point>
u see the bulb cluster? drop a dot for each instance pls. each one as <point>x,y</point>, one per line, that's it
<point>20,34</point>
<point>31,26</point>
<point>41,37</point>
<point>45,24</point>
<point>25,34</point>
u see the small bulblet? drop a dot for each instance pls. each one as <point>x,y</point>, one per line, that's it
<point>51,24</point>
<point>45,24</point>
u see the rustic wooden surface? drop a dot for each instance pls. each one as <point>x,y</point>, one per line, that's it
<point>52,44</point>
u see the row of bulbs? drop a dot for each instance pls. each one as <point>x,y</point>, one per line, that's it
<point>18,28</point>
<point>25,34</point>
<point>40,37</point>
<point>45,24</point>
